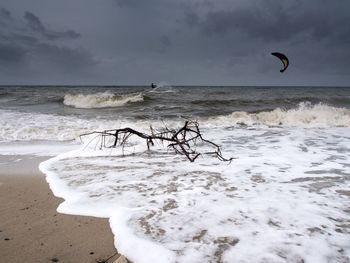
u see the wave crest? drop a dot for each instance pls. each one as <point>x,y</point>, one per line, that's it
<point>100,100</point>
<point>305,115</point>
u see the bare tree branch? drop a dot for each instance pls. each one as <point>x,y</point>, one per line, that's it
<point>183,141</point>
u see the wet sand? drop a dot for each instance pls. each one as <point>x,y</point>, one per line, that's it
<point>30,228</point>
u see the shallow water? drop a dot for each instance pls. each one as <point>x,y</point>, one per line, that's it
<point>286,195</point>
<point>284,198</point>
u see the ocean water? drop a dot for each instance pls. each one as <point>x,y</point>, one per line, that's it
<point>285,197</point>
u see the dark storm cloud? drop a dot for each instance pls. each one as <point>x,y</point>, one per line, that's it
<point>275,21</point>
<point>5,14</point>
<point>23,40</point>
<point>315,34</point>
<point>35,24</point>
<point>65,59</point>
<point>10,53</point>
<point>183,41</point>
<point>138,3</point>
<point>29,49</point>
<point>191,18</point>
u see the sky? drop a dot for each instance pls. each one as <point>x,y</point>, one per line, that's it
<point>178,42</point>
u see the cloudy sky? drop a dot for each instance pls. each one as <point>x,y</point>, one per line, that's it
<point>193,42</point>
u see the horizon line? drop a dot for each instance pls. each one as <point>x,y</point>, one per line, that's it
<point>169,85</point>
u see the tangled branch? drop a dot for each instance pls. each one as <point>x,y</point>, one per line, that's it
<point>183,141</point>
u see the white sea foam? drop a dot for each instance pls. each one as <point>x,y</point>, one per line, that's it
<point>305,115</point>
<point>21,126</point>
<point>100,100</point>
<point>285,199</point>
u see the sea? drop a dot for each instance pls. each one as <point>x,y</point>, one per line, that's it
<point>284,196</point>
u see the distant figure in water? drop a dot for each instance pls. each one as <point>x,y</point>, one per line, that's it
<point>153,86</point>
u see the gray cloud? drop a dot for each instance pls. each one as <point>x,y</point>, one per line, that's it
<point>163,44</point>
<point>4,13</point>
<point>273,21</point>
<point>35,24</point>
<point>128,3</point>
<point>5,17</point>
<point>67,60</point>
<point>138,3</point>
<point>11,54</point>
<point>180,42</point>
<point>27,55</point>
<point>191,18</point>
<point>314,34</point>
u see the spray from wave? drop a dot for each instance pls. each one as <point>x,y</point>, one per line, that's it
<point>100,100</point>
<point>163,87</point>
<point>305,115</point>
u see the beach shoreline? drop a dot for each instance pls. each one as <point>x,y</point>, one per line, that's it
<point>285,193</point>
<point>31,230</point>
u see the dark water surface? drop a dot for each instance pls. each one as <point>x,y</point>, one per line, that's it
<point>165,102</point>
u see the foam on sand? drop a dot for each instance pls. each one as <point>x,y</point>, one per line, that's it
<point>284,199</point>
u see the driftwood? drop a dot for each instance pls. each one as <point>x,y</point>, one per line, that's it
<point>183,141</point>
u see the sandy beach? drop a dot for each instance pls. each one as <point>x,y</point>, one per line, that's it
<point>32,231</point>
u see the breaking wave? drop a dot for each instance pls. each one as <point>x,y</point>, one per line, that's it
<point>305,114</point>
<point>52,127</point>
<point>100,100</point>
